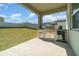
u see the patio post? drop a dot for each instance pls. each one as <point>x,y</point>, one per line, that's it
<point>39,21</point>
<point>69,17</point>
<point>39,25</point>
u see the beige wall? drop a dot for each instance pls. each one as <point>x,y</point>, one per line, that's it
<point>73,35</point>
<point>74,41</point>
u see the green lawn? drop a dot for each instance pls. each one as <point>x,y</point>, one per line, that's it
<point>12,36</point>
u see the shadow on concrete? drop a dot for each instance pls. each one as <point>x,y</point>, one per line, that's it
<point>61,44</point>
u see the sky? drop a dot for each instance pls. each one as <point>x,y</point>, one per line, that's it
<point>14,13</point>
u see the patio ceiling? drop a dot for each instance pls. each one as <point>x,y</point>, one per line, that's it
<point>45,8</point>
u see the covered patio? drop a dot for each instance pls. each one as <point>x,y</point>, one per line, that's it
<point>38,46</point>
<point>42,9</point>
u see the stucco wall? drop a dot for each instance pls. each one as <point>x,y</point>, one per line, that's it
<point>61,23</point>
<point>74,41</point>
<point>73,35</point>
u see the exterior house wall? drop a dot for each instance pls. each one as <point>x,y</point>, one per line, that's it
<point>73,35</point>
<point>63,24</point>
<point>74,41</point>
<point>1,20</point>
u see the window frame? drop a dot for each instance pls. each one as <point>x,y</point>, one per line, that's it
<point>71,20</point>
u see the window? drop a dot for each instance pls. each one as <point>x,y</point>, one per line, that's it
<point>75,16</point>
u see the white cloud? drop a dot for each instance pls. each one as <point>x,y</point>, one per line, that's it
<point>15,18</point>
<point>52,17</point>
<point>49,18</point>
<point>15,15</point>
<point>1,5</point>
<point>31,14</point>
<point>10,3</point>
<point>2,15</point>
<point>61,17</point>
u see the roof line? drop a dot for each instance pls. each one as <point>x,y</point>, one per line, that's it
<point>30,7</point>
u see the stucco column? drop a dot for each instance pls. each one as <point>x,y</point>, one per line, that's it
<point>40,21</point>
<point>69,15</point>
<point>69,18</point>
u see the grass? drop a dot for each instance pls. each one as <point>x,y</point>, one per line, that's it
<point>12,36</point>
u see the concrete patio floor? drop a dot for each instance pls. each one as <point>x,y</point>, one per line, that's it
<point>38,47</point>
